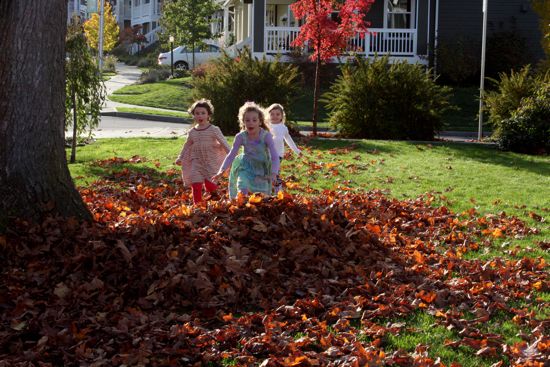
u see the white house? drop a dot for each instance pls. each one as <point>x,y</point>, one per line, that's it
<point>403,29</point>
<point>77,7</point>
<point>398,28</point>
<point>147,14</point>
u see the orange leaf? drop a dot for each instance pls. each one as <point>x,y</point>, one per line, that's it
<point>255,199</point>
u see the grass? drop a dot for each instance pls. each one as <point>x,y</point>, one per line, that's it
<point>461,176</point>
<point>146,111</point>
<point>421,329</point>
<point>466,118</point>
<point>171,94</point>
<point>107,75</point>
<point>464,175</point>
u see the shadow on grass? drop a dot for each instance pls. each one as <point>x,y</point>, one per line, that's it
<point>359,146</point>
<point>130,173</point>
<point>490,155</point>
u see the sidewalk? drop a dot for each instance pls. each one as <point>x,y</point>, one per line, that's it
<point>128,75</point>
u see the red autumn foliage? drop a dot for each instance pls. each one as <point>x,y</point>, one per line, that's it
<point>287,281</point>
<point>328,37</point>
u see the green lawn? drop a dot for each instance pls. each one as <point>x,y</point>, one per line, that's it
<point>107,75</point>
<point>172,94</point>
<point>466,118</point>
<point>459,176</point>
<point>147,111</point>
<point>467,175</point>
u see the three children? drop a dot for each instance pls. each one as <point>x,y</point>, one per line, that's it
<point>256,169</point>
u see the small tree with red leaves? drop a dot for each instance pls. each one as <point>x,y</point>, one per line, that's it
<point>328,38</point>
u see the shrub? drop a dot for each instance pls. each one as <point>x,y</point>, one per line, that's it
<point>229,82</point>
<point>508,93</point>
<point>109,63</point>
<point>520,112</point>
<point>376,99</point>
<point>155,74</point>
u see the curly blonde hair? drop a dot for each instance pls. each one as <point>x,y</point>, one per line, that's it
<point>204,103</point>
<point>275,106</point>
<point>252,107</point>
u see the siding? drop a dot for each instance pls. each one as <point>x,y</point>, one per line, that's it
<point>376,14</point>
<point>465,19</point>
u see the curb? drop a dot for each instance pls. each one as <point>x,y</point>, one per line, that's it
<point>143,116</point>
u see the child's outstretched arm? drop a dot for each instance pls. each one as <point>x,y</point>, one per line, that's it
<point>275,162</point>
<point>184,150</point>
<point>291,144</point>
<point>221,139</point>
<point>229,157</point>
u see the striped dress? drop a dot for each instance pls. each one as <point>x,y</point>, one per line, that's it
<point>202,154</point>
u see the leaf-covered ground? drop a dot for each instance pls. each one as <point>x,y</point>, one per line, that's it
<point>319,280</point>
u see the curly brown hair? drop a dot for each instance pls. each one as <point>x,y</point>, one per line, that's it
<point>252,107</point>
<point>203,102</point>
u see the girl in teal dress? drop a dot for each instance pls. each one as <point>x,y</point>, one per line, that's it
<point>255,169</point>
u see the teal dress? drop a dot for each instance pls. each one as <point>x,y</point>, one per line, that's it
<point>251,171</point>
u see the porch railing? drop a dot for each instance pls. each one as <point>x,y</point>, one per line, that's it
<point>381,41</point>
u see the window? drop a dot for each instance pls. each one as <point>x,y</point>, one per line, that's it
<point>399,13</point>
<point>147,1</point>
<point>271,15</point>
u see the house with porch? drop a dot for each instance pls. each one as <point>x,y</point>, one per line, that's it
<point>404,29</point>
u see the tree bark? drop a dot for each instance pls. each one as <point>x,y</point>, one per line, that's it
<point>34,177</point>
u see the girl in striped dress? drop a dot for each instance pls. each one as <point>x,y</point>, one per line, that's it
<point>203,152</point>
<point>253,170</point>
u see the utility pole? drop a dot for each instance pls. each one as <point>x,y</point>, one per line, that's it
<point>482,81</point>
<point>101,25</point>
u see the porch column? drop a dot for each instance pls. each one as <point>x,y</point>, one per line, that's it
<point>225,25</point>
<point>258,25</point>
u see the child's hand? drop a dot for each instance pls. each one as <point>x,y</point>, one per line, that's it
<point>178,162</point>
<point>216,177</point>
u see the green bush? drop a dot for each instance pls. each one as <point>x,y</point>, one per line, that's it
<point>508,93</point>
<point>109,64</point>
<point>379,100</point>
<point>229,82</point>
<point>155,74</point>
<point>525,128</point>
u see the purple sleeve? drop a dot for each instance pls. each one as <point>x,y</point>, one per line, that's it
<point>275,163</point>
<point>232,153</point>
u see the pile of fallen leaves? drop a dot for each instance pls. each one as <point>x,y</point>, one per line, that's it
<point>286,281</point>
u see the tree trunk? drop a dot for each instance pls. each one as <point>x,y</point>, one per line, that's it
<point>75,121</point>
<point>34,177</point>
<point>316,92</point>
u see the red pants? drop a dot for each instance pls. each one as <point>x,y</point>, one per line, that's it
<point>197,190</point>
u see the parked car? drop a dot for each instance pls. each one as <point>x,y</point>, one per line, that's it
<point>183,57</point>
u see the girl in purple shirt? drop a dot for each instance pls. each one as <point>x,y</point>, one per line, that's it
<point>255,169</point>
